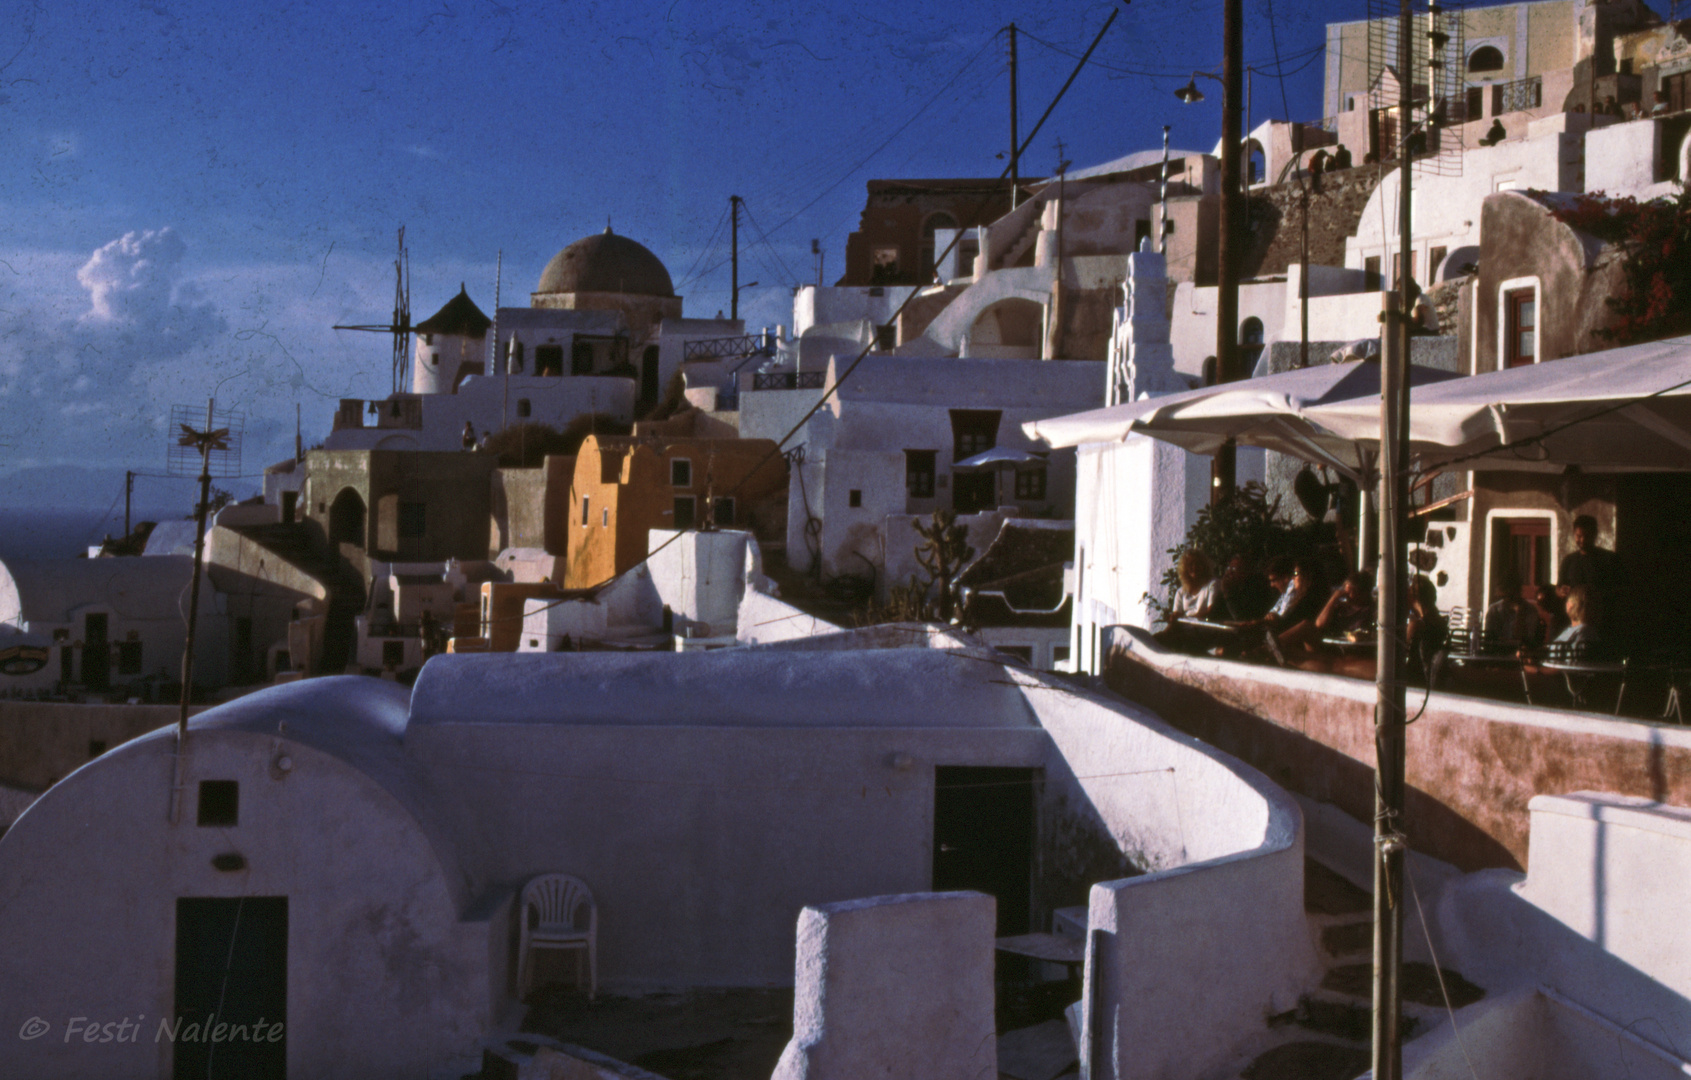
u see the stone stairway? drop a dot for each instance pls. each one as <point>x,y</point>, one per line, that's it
<point>1327,1036</point>
<point>296,544</point>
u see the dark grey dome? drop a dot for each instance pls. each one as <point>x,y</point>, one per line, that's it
<point>606,263</point>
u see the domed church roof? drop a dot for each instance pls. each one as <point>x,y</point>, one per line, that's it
<point>606,263</point>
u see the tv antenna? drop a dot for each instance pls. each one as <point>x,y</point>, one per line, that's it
<point>212,441</point>
<point>400,326</point>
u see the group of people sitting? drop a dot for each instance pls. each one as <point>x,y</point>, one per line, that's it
<point>1287,613</point>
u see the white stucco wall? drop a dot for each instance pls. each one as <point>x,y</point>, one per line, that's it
<point>1622,160</point>
<point>895,987</point>
<point>387,975</point>
<point>1445,208</point>
<point>488,404</point>
<point>814,306</point>
<point>1596,923</point>
<point>1133,502</point>
<point>143,599</point>
<point>717,806</point>
<point>892,404</point>
<point>1185,961</point>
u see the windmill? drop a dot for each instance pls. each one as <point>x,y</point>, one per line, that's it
<point>400,326</point>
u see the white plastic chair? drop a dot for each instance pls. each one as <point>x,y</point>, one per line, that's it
<point>557,912</point>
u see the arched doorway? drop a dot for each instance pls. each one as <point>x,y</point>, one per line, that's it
<point>1010,328</point>
<point>346,518</point>
<point>1250,343</point>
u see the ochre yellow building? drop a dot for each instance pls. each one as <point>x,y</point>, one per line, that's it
<point>626,486</point>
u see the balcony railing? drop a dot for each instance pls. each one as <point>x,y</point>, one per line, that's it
<point>789,380</point>
<point>723,348</point>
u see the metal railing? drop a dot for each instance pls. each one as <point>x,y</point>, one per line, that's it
<point>722,348</point>
<point>1517,96</point>
<point>789,380</point>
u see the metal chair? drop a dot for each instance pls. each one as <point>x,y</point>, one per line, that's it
<point>557,912</point>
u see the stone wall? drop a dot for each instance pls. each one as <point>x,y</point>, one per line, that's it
<point>1274,220</point>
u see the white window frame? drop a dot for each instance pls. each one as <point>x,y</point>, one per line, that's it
<point>1503,291</point>
<point>1485,544</point>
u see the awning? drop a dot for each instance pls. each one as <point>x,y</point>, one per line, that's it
<point>1271,412</point>
<point>1621,410</point>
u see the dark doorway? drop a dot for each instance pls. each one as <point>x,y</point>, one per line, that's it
<point>244,664</point>
<point>232,961</point>
<point>96,652</point>
<point>983,837</point>
<point>1520,546</point>
<point>649,387</point>
<point>290,501</point>
<point>346,519</point>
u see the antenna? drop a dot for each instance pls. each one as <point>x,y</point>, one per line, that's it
<point>400,326</point>
<point>213,441</point>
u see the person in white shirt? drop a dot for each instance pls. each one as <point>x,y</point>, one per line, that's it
<point>1196,595</point>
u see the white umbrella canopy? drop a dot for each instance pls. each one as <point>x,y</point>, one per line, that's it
<point>1622,410</point>
<point>1001,457</point>
<point>1271,412</point>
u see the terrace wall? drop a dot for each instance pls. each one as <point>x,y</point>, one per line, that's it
<point>1473,764</point>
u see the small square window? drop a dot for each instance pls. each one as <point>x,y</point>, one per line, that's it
<point>681,473</point>
<point>220,803</point>
<point>1030,484</point>
<point>855,498</point>
<point>685,510</point>
<point>604,517</point>
<point>524,408</point>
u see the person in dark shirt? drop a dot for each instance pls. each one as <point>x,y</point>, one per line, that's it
<point>1596,568</point>
<point>1241,596</point>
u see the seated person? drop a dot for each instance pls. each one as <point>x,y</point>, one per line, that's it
<point>1579,640</point>
<point>1241,596</point>
<point>1552,613</point>
<point>1426,626</point>
<point>1511,620</point>
<point>1580,632</point>
<point>1351,608</point>
<point>1197,593</point>
<point>1194,599</point>
<point>1291,621</point>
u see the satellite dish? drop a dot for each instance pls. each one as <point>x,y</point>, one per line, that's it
<point>1313,495</point>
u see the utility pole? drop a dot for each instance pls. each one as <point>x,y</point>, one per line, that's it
<point>1224,470</point>
<point>1162,201</point>
<point>734,256</point>
<point>1303,250</point>
<point>1390,708</point>
<point>1015,154</point>
<point>816,250</point>
<point>128,490</point>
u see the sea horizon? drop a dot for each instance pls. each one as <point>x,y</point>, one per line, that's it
<point>41,532</point>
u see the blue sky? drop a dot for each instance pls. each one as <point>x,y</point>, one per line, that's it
<point>191,194</point>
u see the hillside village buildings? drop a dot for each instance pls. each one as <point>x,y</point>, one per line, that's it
<point>739,786</point>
